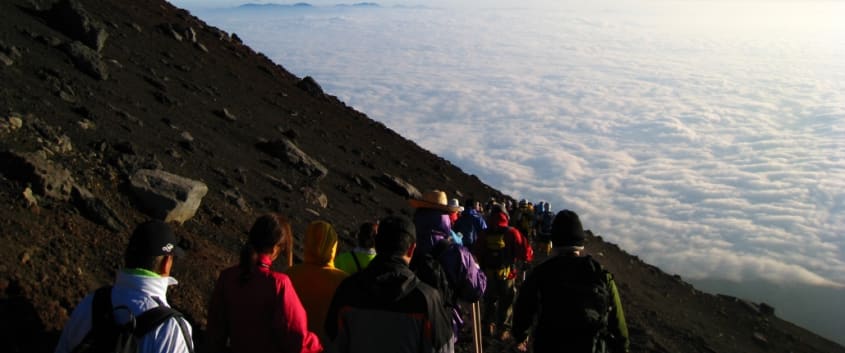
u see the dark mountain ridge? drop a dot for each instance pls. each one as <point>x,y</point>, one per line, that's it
<point>94,91</point>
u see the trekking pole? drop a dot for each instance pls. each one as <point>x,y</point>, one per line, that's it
<point>476,326</point>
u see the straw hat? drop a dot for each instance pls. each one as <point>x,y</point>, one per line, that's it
<point>434,199</point>
<point>456,203</point>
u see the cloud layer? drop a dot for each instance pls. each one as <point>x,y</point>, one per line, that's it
<point>707,138</point>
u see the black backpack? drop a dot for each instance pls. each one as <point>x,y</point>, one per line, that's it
<point>428,269</point>
<point>106,335</point>
<point>589,301</point>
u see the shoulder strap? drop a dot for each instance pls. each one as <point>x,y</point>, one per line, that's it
<point>102,320</point>
<point>355,258</point>
<point>102,314</point>
<point>154,317</point>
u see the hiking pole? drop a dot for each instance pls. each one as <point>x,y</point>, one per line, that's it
<point>476,326</point>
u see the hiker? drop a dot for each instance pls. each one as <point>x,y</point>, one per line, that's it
<point>385,308</point>
<point>575,299</point>
<point>358,258</point>
<point>316,278</point>
<point>141,286</point>
<point>523,219</point>
<point>543,230</point>
<point>438,256</point>
<point>500,250</point>
<point>470,223</point>
<point>254,308</point>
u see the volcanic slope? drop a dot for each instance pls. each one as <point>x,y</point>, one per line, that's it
<point>92,92</point>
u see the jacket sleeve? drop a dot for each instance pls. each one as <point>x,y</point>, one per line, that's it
<point>290,320</point>
<point>216,331</point>
<point>522,250</point>
<point>524,308</point>
<point>618,328</point>
<point>473,280</point>
<point>77,326</point>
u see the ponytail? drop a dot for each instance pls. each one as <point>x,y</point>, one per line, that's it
<point>247,262</point>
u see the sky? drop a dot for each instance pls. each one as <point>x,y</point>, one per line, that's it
<point>706,137</point>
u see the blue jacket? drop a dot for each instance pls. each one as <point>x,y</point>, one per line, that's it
<point>470,224</point>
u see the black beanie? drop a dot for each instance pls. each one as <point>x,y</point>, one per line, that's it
<point>567,230</point>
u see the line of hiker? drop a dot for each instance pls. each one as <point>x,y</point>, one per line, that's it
<point>408,286</point>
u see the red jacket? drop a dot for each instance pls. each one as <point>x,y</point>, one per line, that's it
<point>262,314</point>
<point>516,245</point>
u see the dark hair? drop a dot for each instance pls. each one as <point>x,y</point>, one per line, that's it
<point>147,262</point>
<point>268,231</point>
<point>395,235</point>
<point>367,235</point>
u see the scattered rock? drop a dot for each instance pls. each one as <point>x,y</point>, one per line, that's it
<point>286,150</point>
<point>281,183</point>
<point>167,196</point>
<point>97,210</point>
<point>240,175</point>
<point>86,124</point>
<point>202,47</point>
<point>70,18</point>
<point>10,124</point>
<point>760,338</point>
<point>186,136</point>
<point>314,196</point>
<point>225,114</point>
<point>87,60</point>
<point>364,183</point>
<point>46,177</point>
<point>310,86</point>
<point>25,257</point>
<point>399,186</point>
<point>31,201</point>
<point>234,197</point>
<point>767,309</point>
<point>6,60</point>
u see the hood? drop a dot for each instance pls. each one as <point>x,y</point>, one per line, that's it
<point>320,244</point>
<point>432,226</point>
<point>499,218</point>
<point>388,279</point>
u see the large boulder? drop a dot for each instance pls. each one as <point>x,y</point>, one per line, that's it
<point>70,18</point>
<point>310,86</point>
<point>167,196</point>
<point>87,60</point>
<point>399,186</point>
<point>46,177</point>
<point>286,150</point>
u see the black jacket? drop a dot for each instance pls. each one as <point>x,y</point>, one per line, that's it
<point>550,289</point>
<point>386,308</point>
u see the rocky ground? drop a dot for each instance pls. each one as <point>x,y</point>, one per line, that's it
<point>112,111</point>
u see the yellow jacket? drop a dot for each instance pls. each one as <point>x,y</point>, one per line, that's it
<point>316,279</point>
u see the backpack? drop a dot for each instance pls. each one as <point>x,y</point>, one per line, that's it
<point>545,224</point>
<point>495,251</point>
<point>106,335</point>
<point>429,270</point>
<point>590,300</point>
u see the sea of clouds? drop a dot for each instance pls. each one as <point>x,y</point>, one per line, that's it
<point>706,137</point>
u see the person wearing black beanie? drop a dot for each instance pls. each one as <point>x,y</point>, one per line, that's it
<point>574,298</point>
